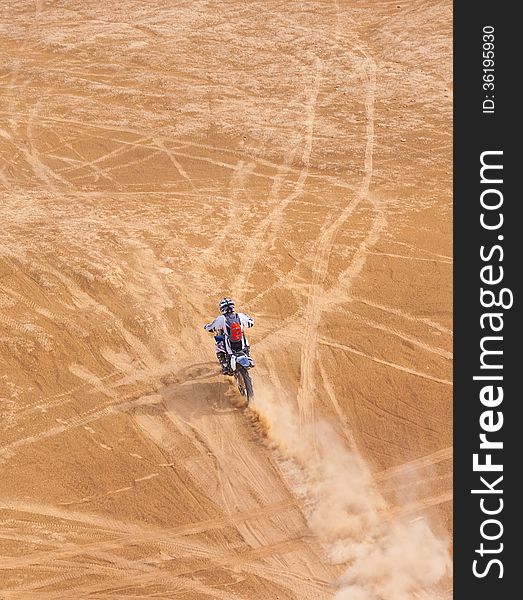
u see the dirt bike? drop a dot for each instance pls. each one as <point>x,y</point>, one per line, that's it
<point>238,365</point>
<point>241,362</point>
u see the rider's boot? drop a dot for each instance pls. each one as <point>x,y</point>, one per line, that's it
<point>222,359</point>
<point>247,351</point>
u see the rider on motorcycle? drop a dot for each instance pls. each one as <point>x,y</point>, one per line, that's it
<point>230,338</point>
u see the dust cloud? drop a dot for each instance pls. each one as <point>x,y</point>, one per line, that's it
<point>388,558</point>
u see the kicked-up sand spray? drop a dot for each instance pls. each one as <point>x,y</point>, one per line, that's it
<point>387,558</point>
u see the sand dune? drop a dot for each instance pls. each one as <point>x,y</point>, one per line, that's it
<point>154,158</point>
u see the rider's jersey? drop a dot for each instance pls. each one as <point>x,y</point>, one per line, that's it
<point>222,324</point>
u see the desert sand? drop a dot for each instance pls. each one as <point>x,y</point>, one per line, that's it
<point>156,156</point>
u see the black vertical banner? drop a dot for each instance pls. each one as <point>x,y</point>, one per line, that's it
<point>488,264</point>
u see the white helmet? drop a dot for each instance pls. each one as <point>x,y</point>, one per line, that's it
<point>226,306</point>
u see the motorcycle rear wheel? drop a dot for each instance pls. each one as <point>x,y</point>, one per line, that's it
<point>244,382</point>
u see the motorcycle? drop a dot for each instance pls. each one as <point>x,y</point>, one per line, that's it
<point>238,366</point>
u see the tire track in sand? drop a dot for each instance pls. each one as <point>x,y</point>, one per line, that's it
<point>83,419</point>
<point>385,362</point>
<point>412,466</point>
<point>116,564</point>
<point>257,244</point>
<point>316,299</point>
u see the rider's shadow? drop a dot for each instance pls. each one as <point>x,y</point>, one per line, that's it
<point>192,400</point>
<point>194,372</point>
